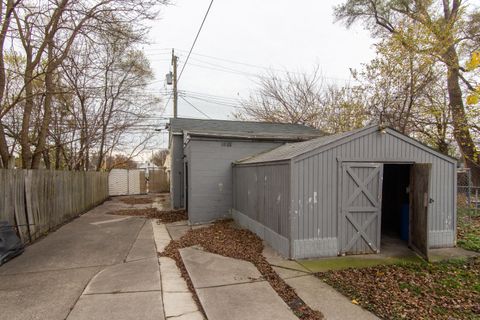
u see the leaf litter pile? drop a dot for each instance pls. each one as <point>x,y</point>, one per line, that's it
<point>224,239</point>
<point>137,200</point>
<point>164,216</point>
<point>442,290</point>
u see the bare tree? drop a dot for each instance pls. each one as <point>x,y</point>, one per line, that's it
<point>50,35</point>
<point>6,10</point>
<point>159,157</point>
<point>304,99</point>
<point>120,161</point>
<point>292,98</point>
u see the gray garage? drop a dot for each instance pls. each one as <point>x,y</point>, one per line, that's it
<point>202,152</point>
<point>347,194</point>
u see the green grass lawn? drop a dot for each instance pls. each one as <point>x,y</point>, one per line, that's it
<point>468,229</point>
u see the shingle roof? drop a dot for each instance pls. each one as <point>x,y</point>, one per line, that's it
<point>291,150</point>
<point>178,125</point>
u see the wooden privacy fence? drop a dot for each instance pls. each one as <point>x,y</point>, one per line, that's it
<point>158,181</point>
<point>37,201</point>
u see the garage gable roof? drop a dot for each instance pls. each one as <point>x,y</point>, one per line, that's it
<point>291,150</point>
<point>179,125</point>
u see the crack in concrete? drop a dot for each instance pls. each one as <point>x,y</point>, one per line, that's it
<point>182,314</point>
<point>80,295</point>
<point>118,292</point>
<point>292,269</point>
<point>136,260</point>
<point>231,284</point>
<point>50,270</point>
<point>134,240</point>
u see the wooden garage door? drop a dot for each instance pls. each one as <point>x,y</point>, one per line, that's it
<point>419,202</point>
<point>360,207</point>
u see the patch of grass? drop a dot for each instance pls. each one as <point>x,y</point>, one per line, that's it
<point>410,287</point>
<point>339,263</point>
<point>468,229</point>
<point>442,290</point>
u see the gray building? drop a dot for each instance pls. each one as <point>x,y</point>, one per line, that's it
<point>202,153</point>
<point>348,194</point>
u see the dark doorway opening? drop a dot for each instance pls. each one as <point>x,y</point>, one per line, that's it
<point>395,204</point>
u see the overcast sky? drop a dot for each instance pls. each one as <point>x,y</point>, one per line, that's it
<point>241,39</point>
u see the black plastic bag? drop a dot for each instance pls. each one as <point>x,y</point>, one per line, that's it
<point>10,245</point>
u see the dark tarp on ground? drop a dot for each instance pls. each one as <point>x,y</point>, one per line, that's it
<point>10,245</point>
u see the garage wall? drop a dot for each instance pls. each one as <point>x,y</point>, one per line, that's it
<point>261,202</point>
<point>210,175</point>
<point>176,174</point>
<point>315,175</point>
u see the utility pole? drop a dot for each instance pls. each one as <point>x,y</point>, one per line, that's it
<point>175,93</point>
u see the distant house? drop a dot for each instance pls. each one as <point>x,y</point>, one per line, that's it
<point>202,153</point>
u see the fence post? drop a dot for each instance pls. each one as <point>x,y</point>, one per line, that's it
<point>469,188</point>
<point>476,199</point>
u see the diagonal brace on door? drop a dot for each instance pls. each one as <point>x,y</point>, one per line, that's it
<point>362,186</point>
<point>360,232</point>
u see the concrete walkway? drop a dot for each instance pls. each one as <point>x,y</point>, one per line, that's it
<point>177,298</point>
<point>98,266</point>
<point>314,292</point>
<point>232,289</point>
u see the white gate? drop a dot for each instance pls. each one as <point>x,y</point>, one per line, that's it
<point>126,181</point>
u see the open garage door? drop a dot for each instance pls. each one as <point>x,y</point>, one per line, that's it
<point>360,207</point>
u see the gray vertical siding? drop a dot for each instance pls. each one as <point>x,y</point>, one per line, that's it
<point>176,174</point>
<point>262,202</point>
<point>315,224</point>
<point>210,174</point>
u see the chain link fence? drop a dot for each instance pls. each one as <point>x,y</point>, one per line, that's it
<point>468,195</point>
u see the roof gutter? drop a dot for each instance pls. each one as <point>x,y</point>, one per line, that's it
<point>251,136</point>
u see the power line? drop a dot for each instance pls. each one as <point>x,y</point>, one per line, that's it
<point>216,102</point>
<point>206,115</point>
<point>212,96</point>
<point>241,73</point>
<point>212,100</point>
<point>195,41</point>
<point>255,66</point>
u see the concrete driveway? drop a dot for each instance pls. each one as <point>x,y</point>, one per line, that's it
<point>98,266</point>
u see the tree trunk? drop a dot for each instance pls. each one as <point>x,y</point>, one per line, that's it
<point>46,159</point>
<point>47,109</point>
<point>461,131</point>
<point>58,153</point>
<point>24,136</point>
<point>5,155</point>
